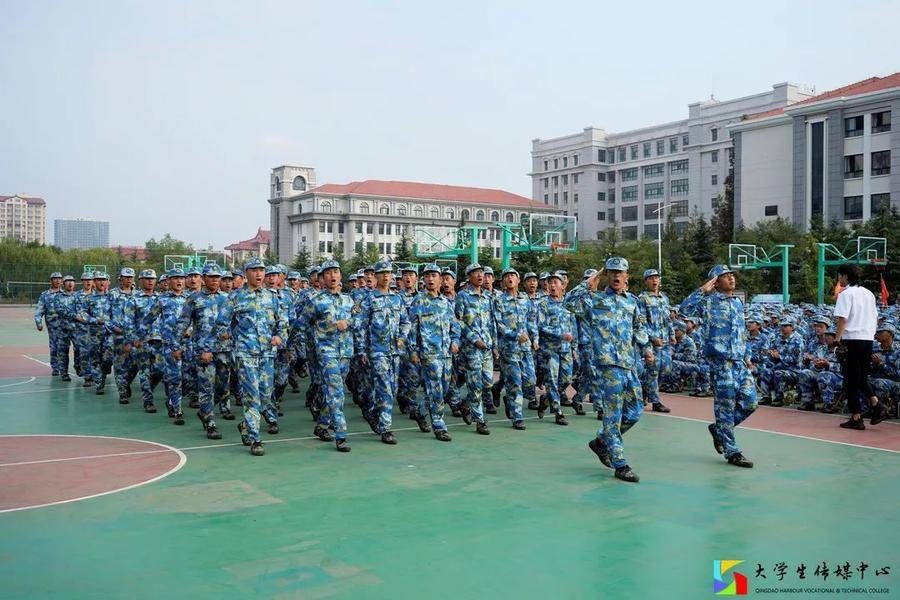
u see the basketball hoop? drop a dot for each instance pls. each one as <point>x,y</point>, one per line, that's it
<point>878,263</point>
<point>557,247</point>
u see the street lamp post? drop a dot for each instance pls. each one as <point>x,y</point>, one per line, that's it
<point>659,219</point>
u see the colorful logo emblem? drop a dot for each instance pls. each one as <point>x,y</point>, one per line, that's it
<point>736,587</point>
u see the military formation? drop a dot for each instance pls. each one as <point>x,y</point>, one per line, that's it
<point>415,339</point>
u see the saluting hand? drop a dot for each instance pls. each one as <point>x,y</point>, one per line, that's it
<point>709,285</point>
<point>342,325</point>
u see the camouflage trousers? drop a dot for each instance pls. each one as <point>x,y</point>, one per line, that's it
<point>479,373</point>
<point>189,372</point>
<point>333,372</point>
<point>734,399</point>
<point>256,376</point>
<point>457,379</point>
<point>282,371</point>
<point>436,376</point>
<point>782,378</point>
<point>557,368</point>
<point>581,372</point>
<point>827,383</point>
<point>65,337</point>
<point>212,384</point>
<point>653,374</point>
<point>150,366</point>
<point>617,394</point>
<point>358,378</point>
<point>81,340</point>
<point>885,389</point>
<point>409,390</point>
<point>512,369</point>
<point>698,372</point>
<point>172,375</point>
<point>54,343</point>
<point>99,357</point>
<point>384,370</point>
<point>529,376</point>
<point>125,365</point>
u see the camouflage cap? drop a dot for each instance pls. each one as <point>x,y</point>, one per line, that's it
<point>409,269</point>
<point>176,272</point>
<point>126,272</point>
<point>474,267</point>
<point>272,270</point>
<point>544,275</point>
<point>509,271</point>
<point>293,275</point>
<point>330,264</point>
<point>194,271</point>
<point>148,274</point>
<point>384,266</point>
<point>719,270</point>
<point>55,275</point>
<point>450,272</point>
<point>227,275</point>
<point>101,275</point>
<point>68,278</point>
<point>488,271</point>
<point>616,263</point>
<point>254,263</point>
<point>238,272</point>
<point>212,270</point>
<point>87,275</point>
<point>651,273</point>
<point>887,326</point>
<point>588,273</point>
<point>529,275</point>
<point>431,268</point>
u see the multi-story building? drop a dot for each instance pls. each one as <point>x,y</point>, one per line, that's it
<point>834,157</point>
<point>344,219</point>
<point>23,218</point>
<point>258,245</point>
<point>634,178</point>
<point>80,233</point>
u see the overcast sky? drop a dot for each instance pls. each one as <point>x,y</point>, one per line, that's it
<point>168,116</point>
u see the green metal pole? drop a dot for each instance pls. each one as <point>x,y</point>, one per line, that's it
<point>473,248</point>
<point>504,249</point>
<point>820,296</point>
<point>785,263</point>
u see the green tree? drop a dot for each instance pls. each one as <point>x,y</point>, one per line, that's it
<point>404,250</point>
<point>157,250</point>
<point>301,261</point>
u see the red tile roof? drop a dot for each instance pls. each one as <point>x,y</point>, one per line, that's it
<point>263,236</point>
<point>132,252</point>
<point>28,199</point>
<point>427,191</point>
<point>866,86</point>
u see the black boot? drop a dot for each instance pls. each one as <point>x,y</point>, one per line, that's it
<point>342,445</point>
<point>597,447</point>
<point>322,433</point>
<point>739,460</point>
<point>388,438</point>
<point>626,474</point>
<point>482,429</point>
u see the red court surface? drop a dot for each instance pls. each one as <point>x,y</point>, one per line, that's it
<point>42,470</point>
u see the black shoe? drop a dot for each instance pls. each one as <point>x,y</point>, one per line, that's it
<point>597,447</point>
<point>561,419</point>
<point>765,402</point>
<point>256,449</point>
<point>717,443</point>
<point>832,409</point>
<point>213,433</point>
<point>87,383</point>
<point>228,415</point>
<point>170,411</point>
<point>442,436</point>
<point>490,409</point>
<point>238,402</point>
<point>542,407</point>
<point>533,405</point>
<point>273,428</point>
<point>482,429</point>
<point>179,418</point>
<point>295,390</point>
<point>100,391</point>
<point>66,377</point>
<point>323,434</point>
<point>422,422</point>
<point>807,406</point>
<point>342,445</point>
<point>466,415</point>
<point>194,403</point>
<point>879,412</point>
<point>245,433</point>
<point>202,418</point>
<point>506,410</point>
<point>566,401</point>
<point>626,474</point>
<point>454,411</point>
<point>123,399</point>
<point>388,438</point>
<point>520,425</point>
<point>739,460</point>
<point>854,424</point>
<point>661,408</point>
<point>149,407</point>
<point>579,409</point>
<point>54,374</point>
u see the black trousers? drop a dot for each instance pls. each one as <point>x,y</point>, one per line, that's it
<point>855,369</point>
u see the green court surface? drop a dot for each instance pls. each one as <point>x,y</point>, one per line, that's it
<point>529,514</point>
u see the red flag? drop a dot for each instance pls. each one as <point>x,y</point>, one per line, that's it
<point>884,291</point>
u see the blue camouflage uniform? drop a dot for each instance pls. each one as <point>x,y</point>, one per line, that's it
<point>123,312</point>
<point>97,313</point>
<point>149,357</point>
<point>473,311</point>
<point>45,312</point>
<point>655,310</point>
<point>884,377</point>
<point>684,360</point>
<point>554,322</point>
<point>786,368</point>
<point>81,332</point>
<point>65,307</point>
<point>512,317</point>
<point>165,313</point>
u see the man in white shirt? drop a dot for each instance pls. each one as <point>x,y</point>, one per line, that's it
<point>857,319</point>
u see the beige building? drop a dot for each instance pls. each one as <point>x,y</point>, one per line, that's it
<point>258,245</point>
<point>23,218</point>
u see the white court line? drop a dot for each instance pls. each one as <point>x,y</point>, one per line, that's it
<point>796,435</point>
<point>182,459</point>
<point>6,385</point>
<point>37,361</point>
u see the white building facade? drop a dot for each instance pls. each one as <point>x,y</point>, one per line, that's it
<point>82,234</point>
<point>340,220</point>
<point>23,218</point>
<point>635,178</point>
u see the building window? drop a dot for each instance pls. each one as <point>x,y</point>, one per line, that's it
<point>679,187</point>
<point>418,211</point>
<point>299,183</point>
<point>853,166</point>
<point>401,210</point>
<point>715,180</point>
<point>853,126</point>
<point>601,197</point>
<point>321,246</point>
<point>565,161</point>
<point>575,178</point>
<point>546,182</point>
<point>325,207</point>
<point>714,156</point>
<point>601,155</point>
<point>495,216</point>
<point>660,147</point>
<point>465,214</point>
<point>646,149</point>
<point>381,229</point>
<point>451,214</point>
<point>358,247</point>
<point>434,212</point>
<point>601,176</point>
<point>629,233</point>
<point>565,197</point>
<point>678,166</point>
<point>881,122</point>
<point>575,198</point>
<point>601,216</point>
<point>510,218</point>
<point>555,198</point>
<point>629,174</point>
<point>655,170</point>
<point>370,228</point>
<point>556,182</point>
<point>651,231</point>
<point>654,190</point>
<point>546,165</point>
<point>479,216</point>
<point>853,207</point>
<point>555,163</point>
<point>341,227</point>
<point>880,203</point>
<point>771,210</point>
<point>881,163</point>
<point>685,141</point>
<point>622,154</point>
<point>546,199</point>
<point>679,208</point>
<point>321,226</point>
<point>575,160</point>
<point>634,152</point>
<point>358,227</point>
<point>630,192</point>
<point>629,213</point>
<point>650,211</point>
<point>714,134</point>
<point>673,144</point>
<point>364,208</point>
<point>612,176</point>
<point>384,209</point>
<point>612,196</point>
<point>565,180</point>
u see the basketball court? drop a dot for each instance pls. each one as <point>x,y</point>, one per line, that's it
<point>103,500</point>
